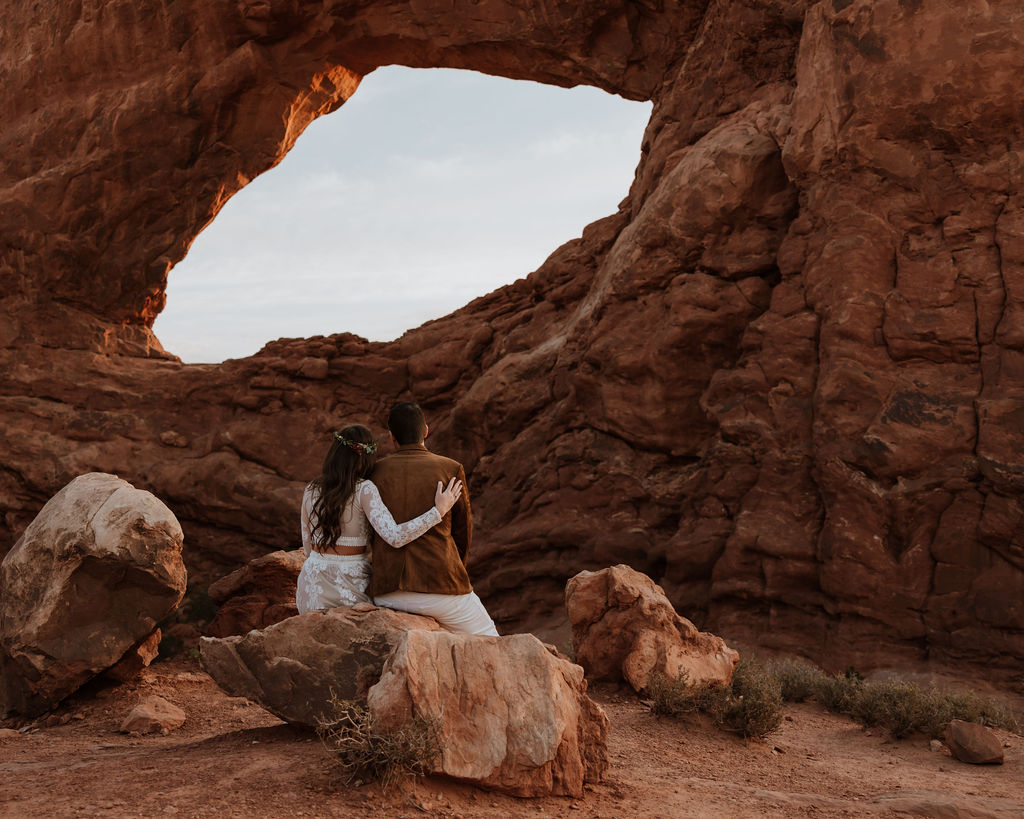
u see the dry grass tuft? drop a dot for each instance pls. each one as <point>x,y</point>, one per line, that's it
<point>365,754</point>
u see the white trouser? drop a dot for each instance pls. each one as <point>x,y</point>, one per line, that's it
<point>456,612</point>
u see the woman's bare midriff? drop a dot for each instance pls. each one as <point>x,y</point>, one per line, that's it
<point>342,550</point>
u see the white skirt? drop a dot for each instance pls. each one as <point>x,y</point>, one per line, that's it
<point>329,581</point>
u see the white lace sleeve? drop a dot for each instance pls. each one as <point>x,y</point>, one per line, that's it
<point>307,507</point>
<point>397,534</point>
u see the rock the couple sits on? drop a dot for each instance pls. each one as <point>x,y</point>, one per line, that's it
<point>419,565</point>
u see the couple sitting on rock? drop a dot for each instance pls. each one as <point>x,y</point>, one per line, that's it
<point>419,565</point>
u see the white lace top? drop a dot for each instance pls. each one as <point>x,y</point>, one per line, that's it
<point>365,508</point>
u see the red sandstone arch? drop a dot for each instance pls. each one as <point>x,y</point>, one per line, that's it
<point>157,114</point>
<point>785,378</point>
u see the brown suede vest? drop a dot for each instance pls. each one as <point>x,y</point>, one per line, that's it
<point>435,561</point>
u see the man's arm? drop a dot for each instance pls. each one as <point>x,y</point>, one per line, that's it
<point>462,519</point>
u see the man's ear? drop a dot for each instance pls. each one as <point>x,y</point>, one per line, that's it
<point>426,430</point>
<point>394,443</point>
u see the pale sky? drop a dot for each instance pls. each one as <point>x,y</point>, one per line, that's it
<point>426,189</point>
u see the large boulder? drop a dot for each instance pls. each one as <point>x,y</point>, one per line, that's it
<point>295,667</point>
<point>514,715</point>
<point>259,594</point>
<point>623,627</point>
<point>85,585</point>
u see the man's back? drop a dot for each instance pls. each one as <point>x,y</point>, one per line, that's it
<point>434,562</point>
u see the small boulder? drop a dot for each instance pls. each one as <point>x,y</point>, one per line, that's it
<point>89,579</point>
<point>152,715</point>
<point>624,627</point>
<point>973,743</point>
<point>514,716</point>
<point>293,668</point>
<point>257,595</point>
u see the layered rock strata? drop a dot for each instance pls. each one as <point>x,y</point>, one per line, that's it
<point>784,379</point>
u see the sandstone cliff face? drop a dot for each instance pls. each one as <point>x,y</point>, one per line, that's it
<point>785,380</point>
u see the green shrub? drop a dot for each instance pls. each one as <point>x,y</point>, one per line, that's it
<point>798,681</point>
<point>363,753</point>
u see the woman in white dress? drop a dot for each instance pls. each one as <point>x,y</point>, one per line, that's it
<point>338,509</point>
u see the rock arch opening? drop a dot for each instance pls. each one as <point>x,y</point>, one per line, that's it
<point>427,189</point>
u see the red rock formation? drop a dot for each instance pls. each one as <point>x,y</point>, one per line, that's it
<point>259,594</point>
<point>784,380</point>
<point>625,629</point>
<point>513,714</point>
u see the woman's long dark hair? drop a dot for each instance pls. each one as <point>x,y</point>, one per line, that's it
<point>343,466</point>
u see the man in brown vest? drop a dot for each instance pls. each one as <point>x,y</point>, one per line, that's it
<point>427,575</point>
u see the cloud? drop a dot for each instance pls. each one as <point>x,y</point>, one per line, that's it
<point>556,145</point>
<point>427,189</point>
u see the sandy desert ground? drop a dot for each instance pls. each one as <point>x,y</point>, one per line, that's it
<point>232,759</point>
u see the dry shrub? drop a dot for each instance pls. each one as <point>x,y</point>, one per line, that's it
<point>905,708</point>
<point>751,705</point>
<point>969,707</point>
<point>798,681</point>
<point>364,754</point>
<point>754,707</point>
<point>838,692</point>
<point>677,698</point>
<point>900,706</point>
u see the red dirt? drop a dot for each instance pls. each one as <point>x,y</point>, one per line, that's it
<point>232,759</point>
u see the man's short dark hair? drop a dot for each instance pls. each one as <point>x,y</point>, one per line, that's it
<point>407,423</point>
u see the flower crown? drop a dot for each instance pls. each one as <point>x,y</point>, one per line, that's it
<point>363,449</point>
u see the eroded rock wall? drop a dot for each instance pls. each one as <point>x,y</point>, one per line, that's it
<point>784,380</point>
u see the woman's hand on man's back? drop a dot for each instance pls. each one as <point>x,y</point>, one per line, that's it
<point>446,496</point>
